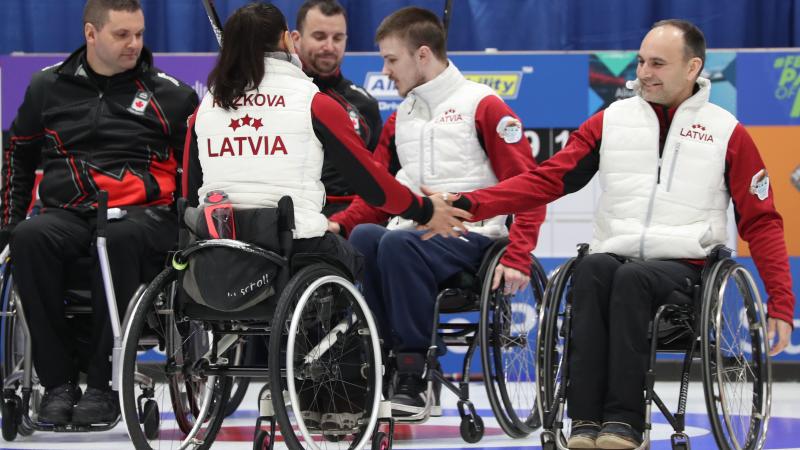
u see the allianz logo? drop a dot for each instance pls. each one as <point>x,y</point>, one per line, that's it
<point>380,86</point>
<point>505,84</point>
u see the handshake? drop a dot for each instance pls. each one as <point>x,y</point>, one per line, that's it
<point>446,221</point>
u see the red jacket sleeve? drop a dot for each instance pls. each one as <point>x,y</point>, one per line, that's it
<point>759,223</point>
<point>372,182</point>
<point>510,158</point>
<point>360,211</point>
<point>564,173</point>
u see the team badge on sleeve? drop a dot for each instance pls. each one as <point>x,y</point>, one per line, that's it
<point>510,129</point>
<point>759,184</point>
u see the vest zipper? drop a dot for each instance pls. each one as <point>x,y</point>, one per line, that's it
<point>672,168</point>
<point>422,155</point>
<point>649,217</point>
<point>433,153</point>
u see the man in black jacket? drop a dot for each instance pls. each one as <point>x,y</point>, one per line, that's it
<point>320,40</point>
<point>104,119</point>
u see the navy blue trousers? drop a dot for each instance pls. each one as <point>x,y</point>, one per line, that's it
<point>402,274</point>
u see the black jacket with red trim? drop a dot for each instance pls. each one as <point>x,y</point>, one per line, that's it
<point>365,116</point>
<point>122,134</point>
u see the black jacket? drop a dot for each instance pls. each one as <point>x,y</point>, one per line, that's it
<point>87,132</point>
<point>365,116</point>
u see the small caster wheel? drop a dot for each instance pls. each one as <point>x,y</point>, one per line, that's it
<point>380,441</point>
<point>680,441</point>
<point>471,429</point>
<point>262,441</point>
<point>151,419</point>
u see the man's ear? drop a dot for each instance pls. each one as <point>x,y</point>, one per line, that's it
<point>424,53</point>
<point>295,36</point>
<point>89,32</point>
<point>695,67</point>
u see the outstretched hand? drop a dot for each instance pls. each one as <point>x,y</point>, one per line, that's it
<point>446,220</point>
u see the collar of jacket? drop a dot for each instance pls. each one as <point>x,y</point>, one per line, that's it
<point>329,81</point>
<point>280,62</point>
<point>701,95</point>
<point>74,65</point>
<point>440,88</point>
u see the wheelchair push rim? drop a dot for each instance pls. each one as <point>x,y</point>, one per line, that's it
<point>352,322</point>
<point>506,340</point>
<point>197,410</point>
<point>735,351</point>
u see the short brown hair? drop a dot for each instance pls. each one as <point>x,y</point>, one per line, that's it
<point>417,27</point>
<point>328,8</point>
<point>693,39</point>
<point>96,11</point>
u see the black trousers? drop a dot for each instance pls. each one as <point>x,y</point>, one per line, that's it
<point>44,247</point>
<point>613,304</point>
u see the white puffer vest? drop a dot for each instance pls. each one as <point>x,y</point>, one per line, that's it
<point>438,146</point>
<point>266,148</point>
<point>669,207</point>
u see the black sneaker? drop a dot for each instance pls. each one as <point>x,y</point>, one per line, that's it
<point>583,434</point>
<point>408,397</point>
<point>57,404</point>
<point>96,406</point>
<point>618,435</point>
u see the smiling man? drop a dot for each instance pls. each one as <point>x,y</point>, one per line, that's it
<point>103,119</point>
<point>449,133</point>
<point>320,40</point>
<point>669,162</point>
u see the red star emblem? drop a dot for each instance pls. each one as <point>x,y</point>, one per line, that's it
<point>234,124</point>
<point>257,124</point>
<point>246,120</point>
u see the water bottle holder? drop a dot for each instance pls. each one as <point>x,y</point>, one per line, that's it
<point>213,214</point>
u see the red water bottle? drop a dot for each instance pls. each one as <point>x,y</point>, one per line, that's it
<point>219,215</point>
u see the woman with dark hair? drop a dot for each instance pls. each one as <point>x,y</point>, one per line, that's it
<point>261,129</point>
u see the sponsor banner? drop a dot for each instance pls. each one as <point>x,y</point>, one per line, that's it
<point>541,89</point>
<point>609,71</point>
<point>768,87</point>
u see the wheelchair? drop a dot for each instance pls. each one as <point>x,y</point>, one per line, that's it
<point>723,325</point>
<point>22,393</point>
<point>323,377</point>
<point>504,334</point>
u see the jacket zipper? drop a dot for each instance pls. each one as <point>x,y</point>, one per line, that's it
<point>672,168</point>
<point>649,216</point>
<point>433,153</point>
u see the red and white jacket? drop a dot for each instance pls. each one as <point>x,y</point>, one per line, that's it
<point>666,183</point>
<point>451,134</point>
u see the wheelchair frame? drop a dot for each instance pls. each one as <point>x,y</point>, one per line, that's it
<point>18,408</point>
<point>694,322</point>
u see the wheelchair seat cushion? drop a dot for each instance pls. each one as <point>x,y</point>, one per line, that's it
<point>231,279</point>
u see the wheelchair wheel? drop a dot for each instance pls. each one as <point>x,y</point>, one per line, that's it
<point>12,330</point>
<point>550,341</point>
<point>324,336</point>
<point>507,330</point>
<point>196,402</point>
<point>737,378</point>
